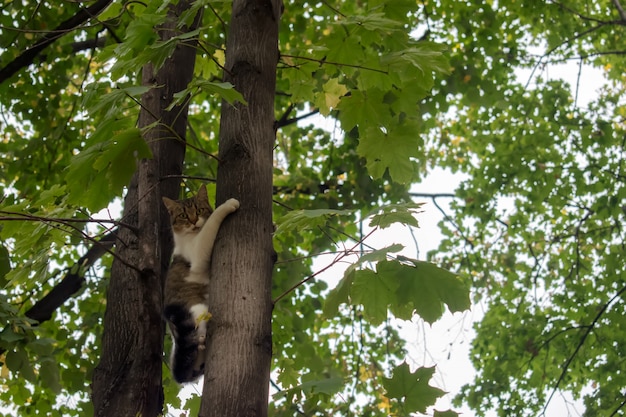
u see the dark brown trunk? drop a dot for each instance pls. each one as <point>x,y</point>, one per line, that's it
<point>237,372</point>
<point>127,381</point>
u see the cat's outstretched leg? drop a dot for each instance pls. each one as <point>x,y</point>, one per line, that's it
<point>205,239</point>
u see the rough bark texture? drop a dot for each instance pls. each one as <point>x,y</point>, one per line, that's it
<point>127,381</point>
<point>239,344</point>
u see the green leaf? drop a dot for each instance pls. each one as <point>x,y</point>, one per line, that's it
<point>363,109</point>
<point>396,213</point>
<point>8,336</point>
<point>306,219</point>
<point>427,57</point>
<point>224,90</point>
<point>14,360</point>
<point>288,375</point>
<point>375,256</point>
<point>17,361</point>
<point>373,21</point>
<point>390,150</point>
<point>412,389</point>
<point>375,292</point>
<point>339,295</point>
<point>447,413</point>
<point>452,290</point>
<point>42,346</point>
<point>345,48</point>
<point>192,404</point>
<point>424,288</point>
<point>403,286</point>
<point>121,155</point>
<point>49,375</point>
<point>5,264</point>
<point>100,98</point>
<point>300,86</point>
<point>108,166</point>
<point>328,386</point>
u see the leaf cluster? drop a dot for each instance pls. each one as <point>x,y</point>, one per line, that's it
<point>70,145</point>
<point>538,223</point>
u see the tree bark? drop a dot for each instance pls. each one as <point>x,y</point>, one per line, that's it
<point>236,382</point>
<point>127,381</point>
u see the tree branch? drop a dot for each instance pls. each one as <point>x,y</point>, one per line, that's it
<point>588,331</point>
<point>447,218</point>
<point>622,404</point>
<point>283,121</point>
<point>564,43</point>
<point>578,14</point>
<point>73,281</point>
<point>341,255</point>
<point>28,56</point>
<point>89,44</point>
<point>12,216</point>
<point>620,10</point>
<point>339,64</point>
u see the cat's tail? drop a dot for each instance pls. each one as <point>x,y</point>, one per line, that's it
<point>186,360</point>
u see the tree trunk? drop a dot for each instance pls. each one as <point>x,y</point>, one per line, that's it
<point>127,381</point>
<point>239,345</point>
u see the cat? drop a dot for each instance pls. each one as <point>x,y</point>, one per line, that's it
<point>195,227</point>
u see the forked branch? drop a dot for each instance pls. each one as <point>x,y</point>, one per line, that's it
<point>71,283</point>
<point>339,257</point>
<point>28,56</point>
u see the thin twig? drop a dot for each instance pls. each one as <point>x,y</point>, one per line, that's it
<point>589,328</point>
<point>578,14</point>
<point>342,255</point>
<point>24,217</point>
<point>339,64</point>
<point>580,70</point>
<point>565,42</point>
<point>61,220</point>
<point>325,3</point>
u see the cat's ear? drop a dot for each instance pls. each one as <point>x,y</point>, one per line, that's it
<point>169,203</point>
<point>202,194</point>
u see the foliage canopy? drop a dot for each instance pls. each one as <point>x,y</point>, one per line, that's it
<point>537,225</point>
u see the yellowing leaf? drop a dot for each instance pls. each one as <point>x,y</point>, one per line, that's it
<point>332,93</point>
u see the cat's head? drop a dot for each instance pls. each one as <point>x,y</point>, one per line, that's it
<point>188,215</point>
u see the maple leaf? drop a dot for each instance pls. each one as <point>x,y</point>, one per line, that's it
<point>412,389</point>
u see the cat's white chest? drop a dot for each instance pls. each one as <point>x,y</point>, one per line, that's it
<point>184,245</point>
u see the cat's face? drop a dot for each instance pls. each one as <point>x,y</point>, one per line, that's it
<point>188,215</point>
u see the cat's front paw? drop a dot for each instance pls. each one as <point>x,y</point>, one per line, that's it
<point>232,204</point>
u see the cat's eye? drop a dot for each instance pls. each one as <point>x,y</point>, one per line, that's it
<point>182,216</point>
